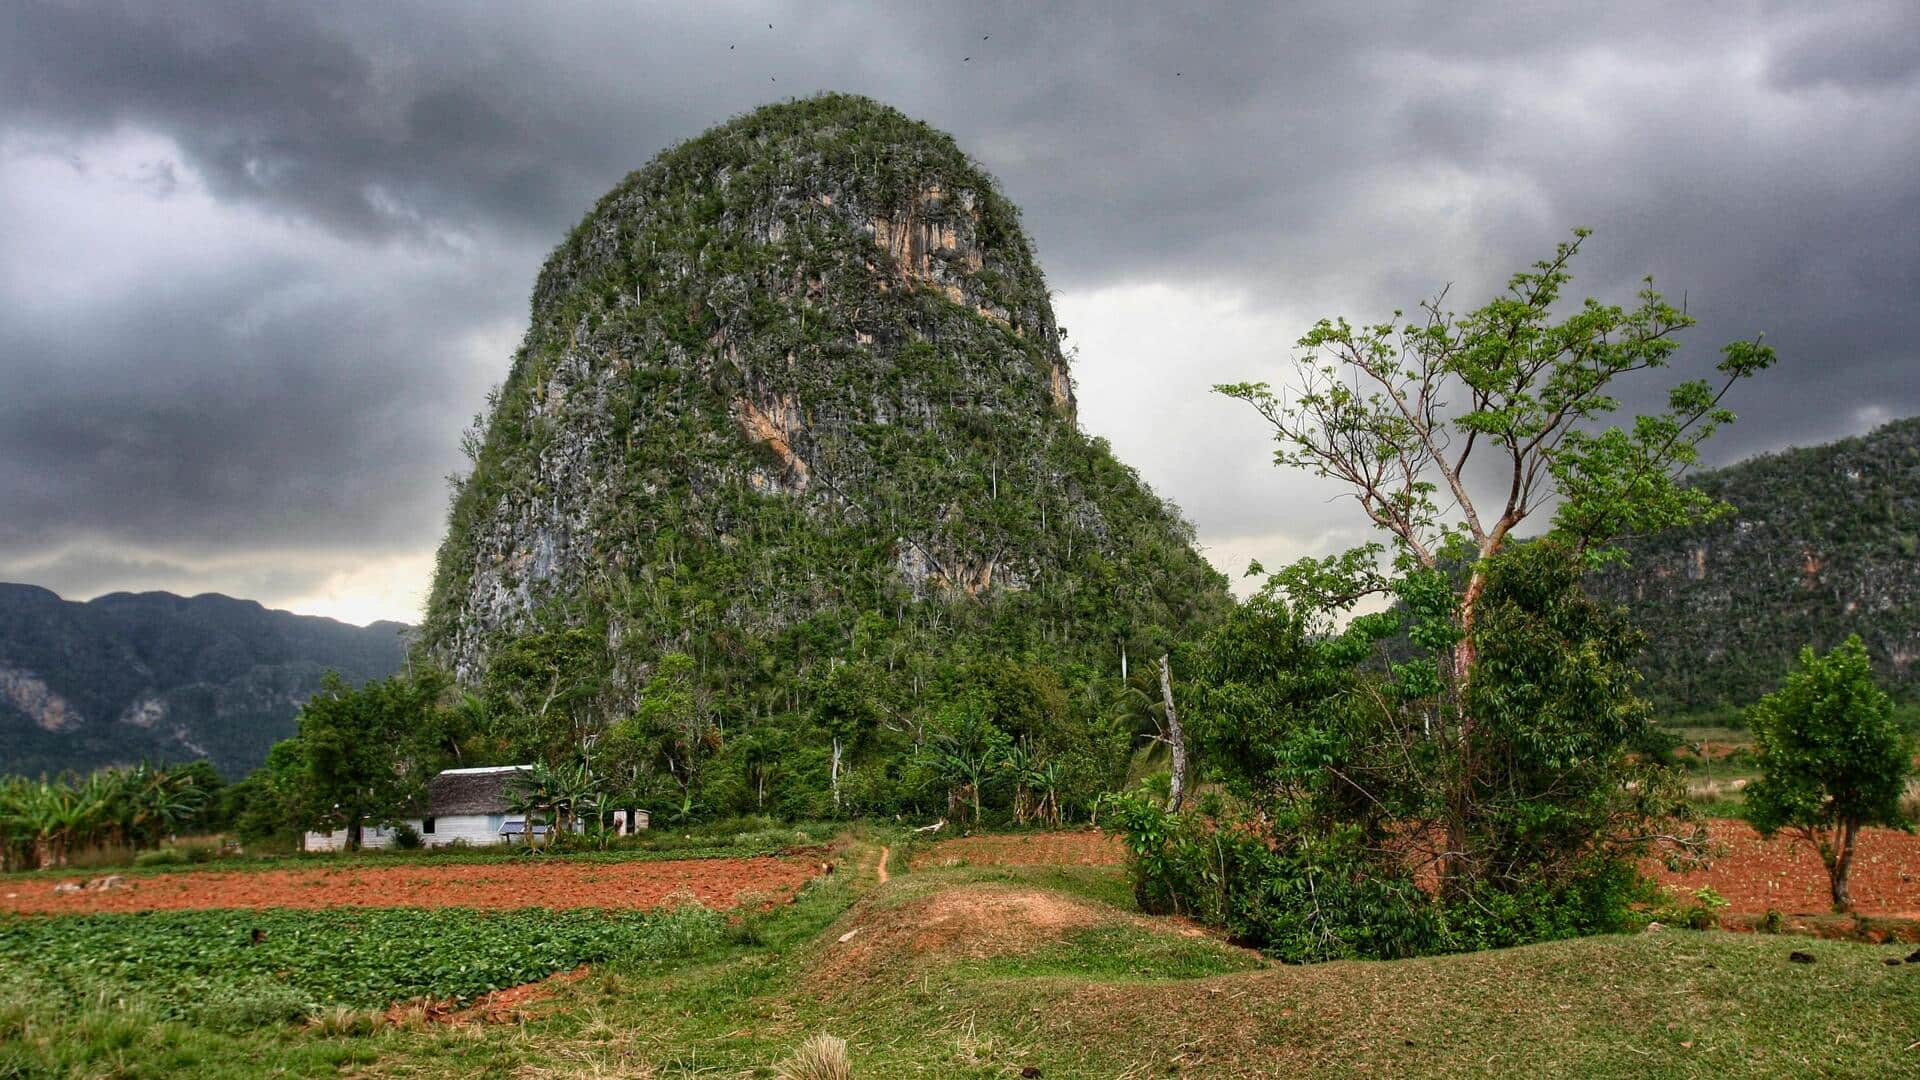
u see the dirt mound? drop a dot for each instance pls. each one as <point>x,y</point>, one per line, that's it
<point>969,923</point>
<point>1083,847</point>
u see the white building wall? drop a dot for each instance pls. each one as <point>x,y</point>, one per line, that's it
<point>371,839</point>
<point>475,829</point>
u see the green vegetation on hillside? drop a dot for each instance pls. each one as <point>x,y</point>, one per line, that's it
<point>1821,544</point>
<point>127,677</point>
<point>786,474</point>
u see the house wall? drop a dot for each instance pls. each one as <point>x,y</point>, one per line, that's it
<point>371,839</point>
<point>476,829</point>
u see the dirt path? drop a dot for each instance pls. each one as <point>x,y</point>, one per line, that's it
<point>885,851</point>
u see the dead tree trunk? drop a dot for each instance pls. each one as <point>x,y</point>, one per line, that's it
<point>836,772</point>
<point>1176,738</point>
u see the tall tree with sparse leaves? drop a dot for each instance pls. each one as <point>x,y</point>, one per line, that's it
<point>1423,418</point>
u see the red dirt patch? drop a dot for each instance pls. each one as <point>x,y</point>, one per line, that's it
<point>716,883</point>
<point>1083,847</point>
<point>1785,875</point>
<point>499,1007</point>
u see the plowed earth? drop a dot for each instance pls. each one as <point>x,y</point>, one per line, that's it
<point>1085,847</point>
<point>1786,875</point>
<point>716,883</point>
<point>1754,875</point>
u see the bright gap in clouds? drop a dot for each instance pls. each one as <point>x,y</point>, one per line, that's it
<point>1148,357</point>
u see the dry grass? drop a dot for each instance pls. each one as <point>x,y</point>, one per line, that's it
<point>341,1021</point>
<point>823,1057</point>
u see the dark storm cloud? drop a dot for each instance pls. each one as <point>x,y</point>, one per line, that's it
<point>182,384</point>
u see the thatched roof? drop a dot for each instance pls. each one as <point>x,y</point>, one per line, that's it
<point>471,791</point>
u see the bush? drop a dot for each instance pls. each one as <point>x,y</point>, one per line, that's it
<point>1301,896</point>
<point>406,837</point>
<point>1703,911</point>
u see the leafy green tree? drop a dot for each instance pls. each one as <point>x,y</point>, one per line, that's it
<point>966,750</point>
<point>363,750</point>
<point>1832,759</point>
<point>1408,412</point>
<point>557,796</point>
<point>1339,793</point>
<point>672,735</point>
<point>542,693</point>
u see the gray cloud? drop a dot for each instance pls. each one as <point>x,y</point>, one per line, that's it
<point>263,259</point>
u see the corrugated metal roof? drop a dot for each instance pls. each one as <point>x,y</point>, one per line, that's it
<point>471,791</point>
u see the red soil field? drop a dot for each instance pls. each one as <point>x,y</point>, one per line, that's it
<point>1753,875</point>
<point>1786,875</point>
<point>716,883</point>
<point>1085,847</point>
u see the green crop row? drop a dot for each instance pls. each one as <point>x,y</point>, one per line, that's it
<point>238,969</point>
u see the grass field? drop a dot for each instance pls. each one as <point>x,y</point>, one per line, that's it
<point>964,971</point>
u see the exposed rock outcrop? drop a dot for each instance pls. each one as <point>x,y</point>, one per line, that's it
<point>795,375</point>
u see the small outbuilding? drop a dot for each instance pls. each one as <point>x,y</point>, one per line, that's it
<point>470,806</point>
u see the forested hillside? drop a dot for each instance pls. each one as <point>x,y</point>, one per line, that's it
<point>1823,542</point>
<point>788,463</point>
<point>162,677</point>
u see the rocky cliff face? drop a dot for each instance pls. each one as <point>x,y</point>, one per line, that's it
<point>1824,542</point>
<point>797,377</point>
<point>165,678</point>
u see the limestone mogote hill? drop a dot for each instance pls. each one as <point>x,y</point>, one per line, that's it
<point>793,396</point>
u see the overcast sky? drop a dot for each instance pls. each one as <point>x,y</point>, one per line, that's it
<point>259,264</point>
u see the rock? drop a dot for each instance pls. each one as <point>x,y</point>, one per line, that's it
<point>1799,957</point>
<point>67,887</point>
<point>803,366</point>
<point>1653,928</point>
<point>1029,1072</point>
<point>1915,958</point>
<point>111,881</point>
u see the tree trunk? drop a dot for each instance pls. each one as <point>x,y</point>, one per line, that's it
<point>1177,792</point>
<point>353,833</point>
<point>1454,863</point>
<point>1843,862</point>
<point>836,772</point>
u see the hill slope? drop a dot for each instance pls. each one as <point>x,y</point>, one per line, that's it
<point>164,677</point>
<point>793,394</point>
<point>1824,542</point>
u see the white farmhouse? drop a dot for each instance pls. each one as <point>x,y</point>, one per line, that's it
<point>469,806</point>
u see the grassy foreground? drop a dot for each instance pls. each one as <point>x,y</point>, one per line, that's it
<point>986,972</point>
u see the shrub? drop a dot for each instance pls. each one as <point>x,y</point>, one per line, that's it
<point>1702,912</point>
<point>406,837</point>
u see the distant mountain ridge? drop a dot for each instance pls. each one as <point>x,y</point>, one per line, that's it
<point>1824,541</point>
<point>153,675</point>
